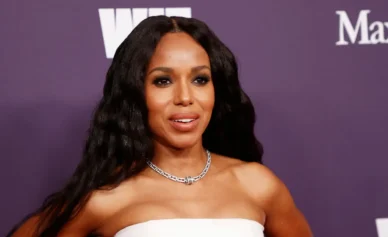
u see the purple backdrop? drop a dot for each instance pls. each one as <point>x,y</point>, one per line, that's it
<point>321,106</point>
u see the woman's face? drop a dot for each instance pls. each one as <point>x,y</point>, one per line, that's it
<point>179,91</point>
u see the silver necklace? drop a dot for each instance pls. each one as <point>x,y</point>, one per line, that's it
<point>186,180</point>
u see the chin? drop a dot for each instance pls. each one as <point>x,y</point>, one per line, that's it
<point>183,142</point>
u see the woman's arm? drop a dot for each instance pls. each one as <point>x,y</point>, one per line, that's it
<point>80,226</point>
<point>283,218</point>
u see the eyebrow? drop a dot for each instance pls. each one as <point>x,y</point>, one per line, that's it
<point>169,70</point>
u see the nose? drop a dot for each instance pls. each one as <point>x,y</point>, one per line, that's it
<point>183,94</point>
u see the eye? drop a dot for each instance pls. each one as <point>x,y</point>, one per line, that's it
<point>202,80</point>
<point>162,81</point>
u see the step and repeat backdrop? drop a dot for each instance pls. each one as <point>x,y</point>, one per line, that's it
<point>316,72</point>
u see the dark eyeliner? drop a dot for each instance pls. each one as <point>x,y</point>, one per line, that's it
<point>205,79</point>
<point>161,81</point>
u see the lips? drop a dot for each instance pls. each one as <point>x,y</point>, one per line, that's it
<point>179,116</point>
<point>184,122</point>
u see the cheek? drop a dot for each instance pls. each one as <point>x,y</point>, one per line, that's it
<point>157,102</point>
<point>207,99</point>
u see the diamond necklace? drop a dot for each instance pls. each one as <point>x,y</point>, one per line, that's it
<point>188,179</point>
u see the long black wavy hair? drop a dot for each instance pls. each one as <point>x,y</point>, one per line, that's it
<point>119,139</point>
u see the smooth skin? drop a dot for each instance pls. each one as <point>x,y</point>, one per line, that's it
<point>178,80</point>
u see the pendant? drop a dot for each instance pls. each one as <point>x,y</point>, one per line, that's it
<point>189,180</point>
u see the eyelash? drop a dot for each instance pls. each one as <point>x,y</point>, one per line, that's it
<point>164,80</point>
<point>205,79</point>
<point>159,81</point>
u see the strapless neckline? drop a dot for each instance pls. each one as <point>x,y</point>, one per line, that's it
<point>207,223</point>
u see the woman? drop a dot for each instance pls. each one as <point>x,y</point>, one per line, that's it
<point>171,150</point>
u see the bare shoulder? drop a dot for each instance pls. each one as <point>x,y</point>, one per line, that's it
<point>101,205</point>
<point>283,218</point>
<point>262,182</point>
<point>254,177</point>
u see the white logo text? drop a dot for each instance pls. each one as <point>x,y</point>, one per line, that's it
<point>116,24</point>
<point>369,33</point>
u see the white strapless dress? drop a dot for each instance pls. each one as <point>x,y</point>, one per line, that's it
<point>225,227</point>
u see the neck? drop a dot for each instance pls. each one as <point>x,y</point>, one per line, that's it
<point>180,162</point>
